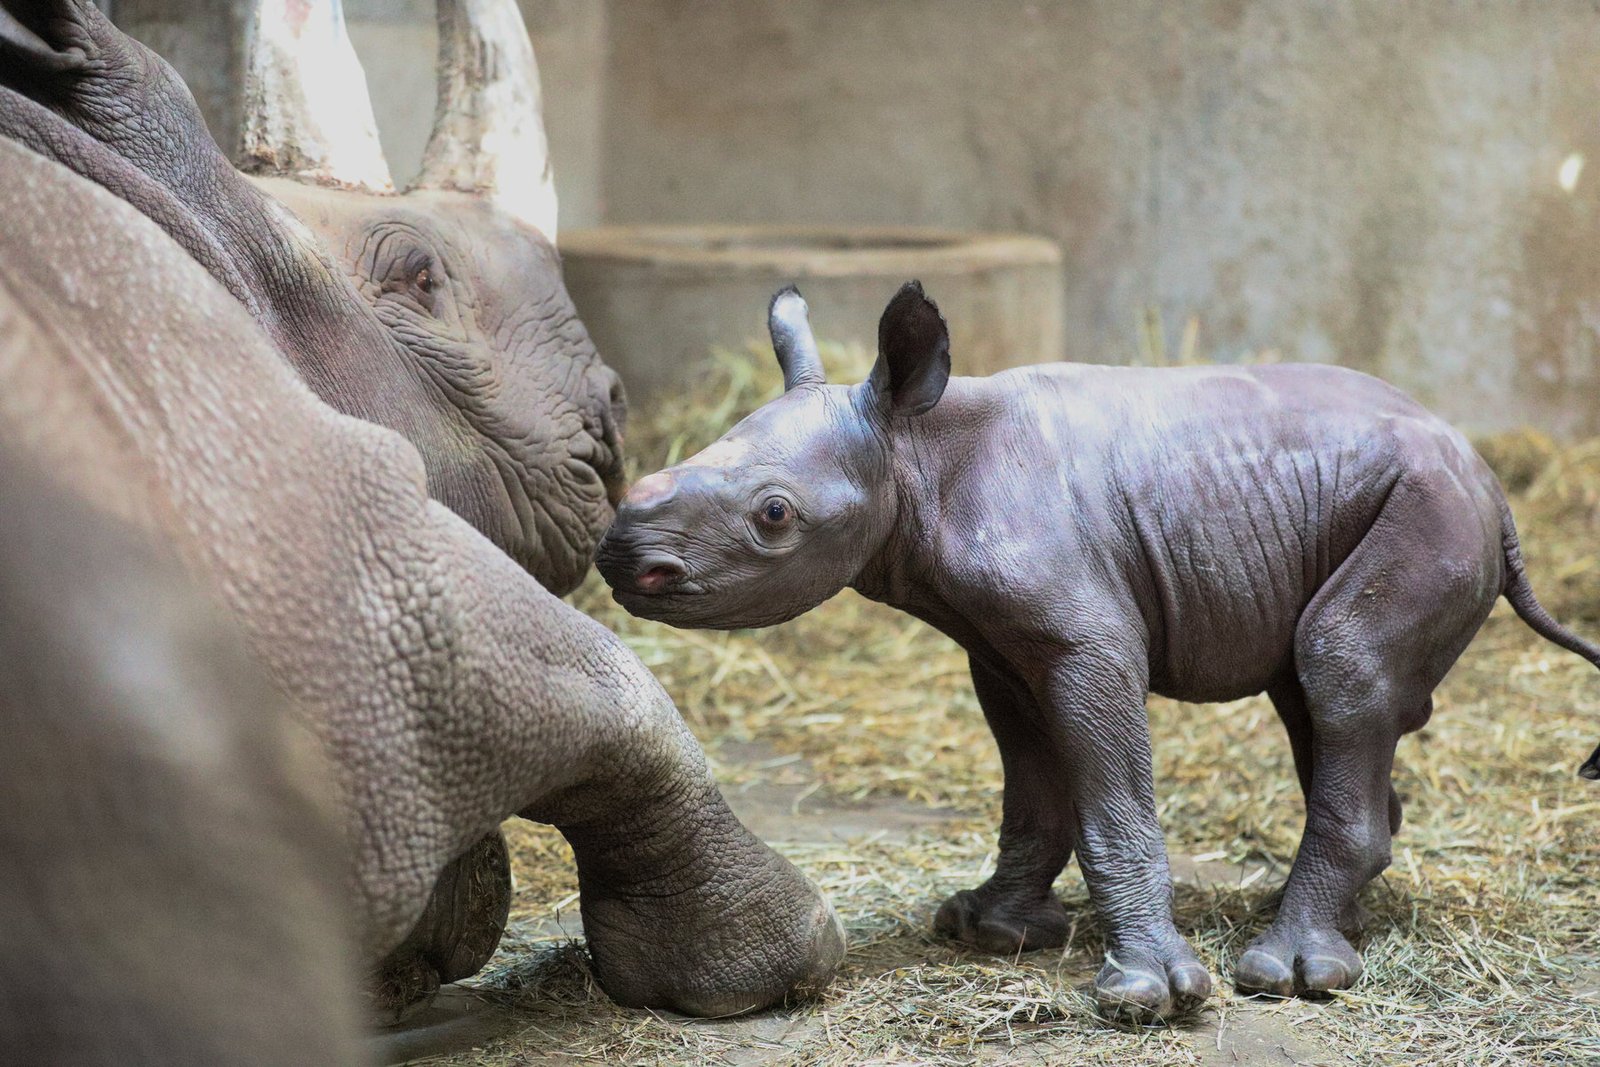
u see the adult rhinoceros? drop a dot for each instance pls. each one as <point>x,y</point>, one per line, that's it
<point>450,688</point>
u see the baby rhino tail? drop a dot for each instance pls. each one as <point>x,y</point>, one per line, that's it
<point>1520,593</point>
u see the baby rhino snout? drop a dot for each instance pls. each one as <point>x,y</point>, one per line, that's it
<point>631,557</point>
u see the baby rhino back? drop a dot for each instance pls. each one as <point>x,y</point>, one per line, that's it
<point>1245,489</point>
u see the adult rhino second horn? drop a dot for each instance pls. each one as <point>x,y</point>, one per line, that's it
<point>488,133</point>
<point>307,114</point>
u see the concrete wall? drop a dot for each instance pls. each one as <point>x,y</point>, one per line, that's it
<point>1366,181</point>
<point>1369,182</point>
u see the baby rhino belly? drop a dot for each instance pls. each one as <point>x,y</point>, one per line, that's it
<point>1230,601</point>
<point>1225,649</point>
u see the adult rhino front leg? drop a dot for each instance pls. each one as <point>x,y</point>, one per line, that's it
<point>683,907</point>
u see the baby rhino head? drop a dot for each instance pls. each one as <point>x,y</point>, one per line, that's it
<point>789,506</point>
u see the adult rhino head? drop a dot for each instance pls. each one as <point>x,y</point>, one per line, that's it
<point>440,314</point>
<point>461,269</point>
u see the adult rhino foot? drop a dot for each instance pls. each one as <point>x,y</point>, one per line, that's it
<point>1004,925</point>
<point>1143,984</point>
<point>457,933</point>
<point>1288,959</point>
<point>716,940</point>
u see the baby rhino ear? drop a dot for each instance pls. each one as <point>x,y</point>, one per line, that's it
<point>790,326</point>
<point>913,353</point>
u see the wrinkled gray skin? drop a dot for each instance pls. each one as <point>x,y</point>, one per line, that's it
<point>449,687</point>
<point>521,427</point>
<point>169,876</point>
<point>1089,535</point>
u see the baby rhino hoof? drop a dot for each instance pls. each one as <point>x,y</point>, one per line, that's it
<point>1149,987</point>
<point>1282,962</point>
<point>992,924</point>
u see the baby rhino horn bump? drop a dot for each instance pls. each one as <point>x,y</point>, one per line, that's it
<point>789,323</point>
<point>652,489</point>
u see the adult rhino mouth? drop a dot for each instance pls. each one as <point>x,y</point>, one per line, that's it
<point>606,425</point>
<point>553,514</point>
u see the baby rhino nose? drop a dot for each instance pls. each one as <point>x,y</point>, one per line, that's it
<point>649,491</point>
<point>657,575</point>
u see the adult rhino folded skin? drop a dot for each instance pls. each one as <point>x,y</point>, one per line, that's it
<point>450,688</point>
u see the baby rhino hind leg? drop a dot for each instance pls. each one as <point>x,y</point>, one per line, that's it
<point>1290,702</point>
<point>1369,650</point>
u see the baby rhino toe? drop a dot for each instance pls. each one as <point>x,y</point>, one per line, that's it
<point>992,923</point>
<point>1141,986</point>
<point>1282,962</point>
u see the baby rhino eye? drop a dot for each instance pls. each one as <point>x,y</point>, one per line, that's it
<point>775,511</point>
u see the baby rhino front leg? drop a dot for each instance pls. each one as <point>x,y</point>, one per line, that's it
<point>1094,704</point>
<point>1017,910</point>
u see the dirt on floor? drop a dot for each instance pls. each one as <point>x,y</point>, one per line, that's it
<point>851,739</point>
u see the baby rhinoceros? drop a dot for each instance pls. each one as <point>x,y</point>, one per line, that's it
<point>1091,534</point>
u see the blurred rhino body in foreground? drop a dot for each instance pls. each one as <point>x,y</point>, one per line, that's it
<point>169,874</point>
<point>205,357</point>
